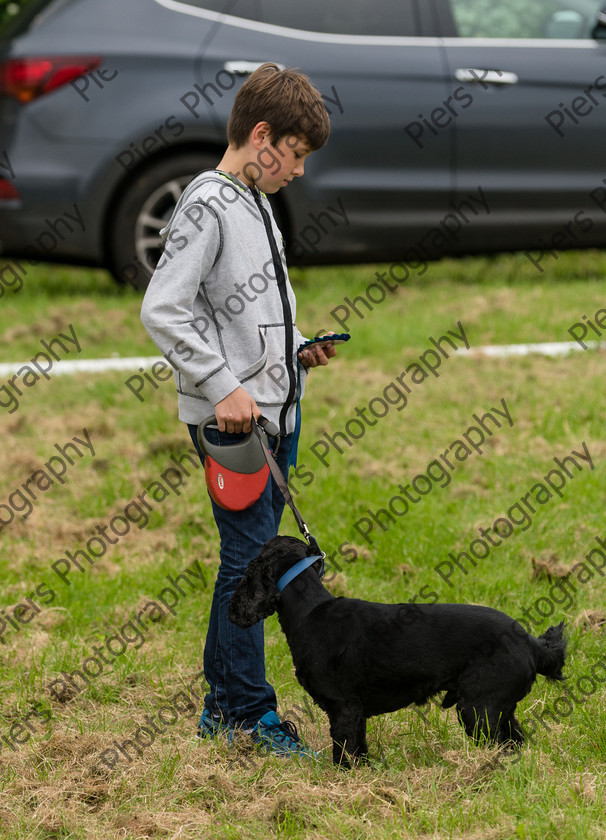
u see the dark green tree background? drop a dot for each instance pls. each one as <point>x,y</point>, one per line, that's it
<point>8,10</point>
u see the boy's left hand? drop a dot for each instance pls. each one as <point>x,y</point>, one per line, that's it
<point>317,354</point>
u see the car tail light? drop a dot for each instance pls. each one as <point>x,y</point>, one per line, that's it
<point>8,191</point>
<point>26,79</point>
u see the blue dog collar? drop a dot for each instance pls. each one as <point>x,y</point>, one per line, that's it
<point>299,567</point>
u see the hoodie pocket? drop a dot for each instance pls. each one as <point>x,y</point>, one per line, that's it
<point>266,379</point>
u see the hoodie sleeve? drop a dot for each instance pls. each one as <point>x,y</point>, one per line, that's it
<point>193,245</point>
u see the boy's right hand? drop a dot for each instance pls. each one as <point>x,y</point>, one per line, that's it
<point>234,412</point>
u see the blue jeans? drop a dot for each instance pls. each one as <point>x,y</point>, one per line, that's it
<point>234,658</point>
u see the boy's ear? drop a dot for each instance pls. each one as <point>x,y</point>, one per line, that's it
<point>260,134</point>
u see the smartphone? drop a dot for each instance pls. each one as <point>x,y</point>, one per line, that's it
<point>325,340</point>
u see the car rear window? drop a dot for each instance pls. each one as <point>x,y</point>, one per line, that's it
<point>346,17</point>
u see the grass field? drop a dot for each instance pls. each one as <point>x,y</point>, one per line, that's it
<point>66,769</point>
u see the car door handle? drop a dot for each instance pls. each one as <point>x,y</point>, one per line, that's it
<point>486,77</point>
<point>245,68</point>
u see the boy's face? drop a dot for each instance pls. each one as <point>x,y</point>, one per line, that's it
<point>281,163</point>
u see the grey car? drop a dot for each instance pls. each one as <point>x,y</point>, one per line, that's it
<point>458,126</point>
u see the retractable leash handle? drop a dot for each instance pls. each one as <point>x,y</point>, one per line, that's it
<point>270,429</point>
<point>236,474</point>
<point>283,487</point>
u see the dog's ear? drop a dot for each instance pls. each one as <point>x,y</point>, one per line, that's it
<point>256,596</point>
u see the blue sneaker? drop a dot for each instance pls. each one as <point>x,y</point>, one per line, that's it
<point>279,737</point>
<point>212,725</point>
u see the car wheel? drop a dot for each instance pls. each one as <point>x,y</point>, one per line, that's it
<point>142,211</point>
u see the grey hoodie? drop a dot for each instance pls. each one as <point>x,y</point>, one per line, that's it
<point>214,307</point>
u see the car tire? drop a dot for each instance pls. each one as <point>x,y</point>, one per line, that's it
<point>146,204</point>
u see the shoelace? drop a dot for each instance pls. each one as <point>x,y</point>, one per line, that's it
<point>286,729</point>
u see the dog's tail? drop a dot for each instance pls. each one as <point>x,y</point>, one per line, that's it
<point>550,652</point>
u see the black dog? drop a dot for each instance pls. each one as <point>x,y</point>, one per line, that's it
<point>358,659</point>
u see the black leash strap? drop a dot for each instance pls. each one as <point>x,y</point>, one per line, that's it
<point>283,486</point>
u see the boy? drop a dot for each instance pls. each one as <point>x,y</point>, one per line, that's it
<point>221,309</point>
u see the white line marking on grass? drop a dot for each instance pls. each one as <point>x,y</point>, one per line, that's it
<point>64,366</point>
<point>88,365</point>
<point>551,348</point>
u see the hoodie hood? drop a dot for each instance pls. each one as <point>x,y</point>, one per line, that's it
<point>224,180</point>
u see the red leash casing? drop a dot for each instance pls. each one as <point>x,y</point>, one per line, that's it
<point>233,490</point>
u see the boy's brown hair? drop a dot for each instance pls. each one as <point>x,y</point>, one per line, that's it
<point>285,99</point>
